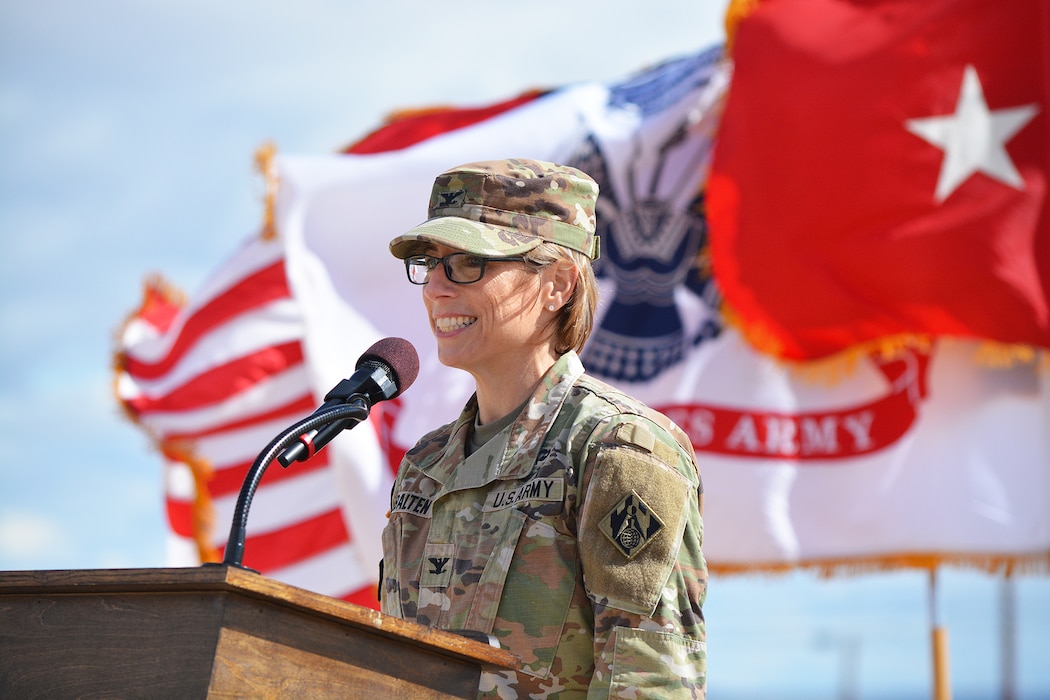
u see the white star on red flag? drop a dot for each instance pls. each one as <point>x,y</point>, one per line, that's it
<point>974,138</point>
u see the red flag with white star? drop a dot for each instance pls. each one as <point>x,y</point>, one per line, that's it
<point>881,170</point>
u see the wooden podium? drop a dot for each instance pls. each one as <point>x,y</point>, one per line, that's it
<point>217,632</point>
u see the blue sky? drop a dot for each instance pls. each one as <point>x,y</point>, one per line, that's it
<point>127,131</point>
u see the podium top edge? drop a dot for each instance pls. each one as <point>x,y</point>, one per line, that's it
<point>127,580</point>
<point>226,579</point>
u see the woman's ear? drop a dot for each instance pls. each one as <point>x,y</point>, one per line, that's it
<point>563,282</point>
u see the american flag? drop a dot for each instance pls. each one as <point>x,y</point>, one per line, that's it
<point>211,382</point>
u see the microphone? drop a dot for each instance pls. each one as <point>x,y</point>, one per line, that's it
<point>383,372</point>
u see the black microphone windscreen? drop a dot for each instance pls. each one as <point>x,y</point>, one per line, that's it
<point>399,355</point>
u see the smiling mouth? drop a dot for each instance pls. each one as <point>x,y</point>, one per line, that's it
<point>446,324</point>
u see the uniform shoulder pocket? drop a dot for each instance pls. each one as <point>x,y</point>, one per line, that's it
<point>634,514</point>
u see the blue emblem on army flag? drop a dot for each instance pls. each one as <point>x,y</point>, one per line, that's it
<point>652,225</point>
<point>631,525</point>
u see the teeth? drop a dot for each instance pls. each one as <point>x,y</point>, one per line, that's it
<point>452,323</point>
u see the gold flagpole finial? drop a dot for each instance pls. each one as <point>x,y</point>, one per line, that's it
<point>264,163</point>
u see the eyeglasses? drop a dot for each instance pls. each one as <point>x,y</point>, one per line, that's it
<point>461,268</point>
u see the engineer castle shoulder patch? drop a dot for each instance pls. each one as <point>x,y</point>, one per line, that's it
<point>631,525</point>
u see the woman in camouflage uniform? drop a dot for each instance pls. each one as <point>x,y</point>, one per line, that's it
<point>557,515</point>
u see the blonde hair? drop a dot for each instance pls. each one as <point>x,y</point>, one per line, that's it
<point>575,321</point>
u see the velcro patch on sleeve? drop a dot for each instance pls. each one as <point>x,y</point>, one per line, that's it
<point>642,436</point>
<point>634,514</point>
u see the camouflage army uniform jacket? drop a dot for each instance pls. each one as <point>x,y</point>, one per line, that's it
<point>574,541</point>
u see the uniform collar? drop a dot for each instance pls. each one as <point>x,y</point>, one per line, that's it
<point>526,432</point>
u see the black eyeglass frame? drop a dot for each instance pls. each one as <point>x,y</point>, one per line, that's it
<point>430,263</point>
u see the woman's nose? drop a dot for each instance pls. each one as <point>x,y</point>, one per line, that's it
<point>438,283</point>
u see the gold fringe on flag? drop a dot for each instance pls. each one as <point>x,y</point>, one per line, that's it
<point>202,511</point>
<point>156,291</point>
<point>833,368</point>
<point>1003,355</point>
<point>165,290</point>
<point>1037,563</point>
<point>759,337</point>
<point>413,112</point>
<point>735,12</point>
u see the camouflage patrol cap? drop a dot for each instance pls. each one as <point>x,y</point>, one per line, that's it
<point>508,207</point>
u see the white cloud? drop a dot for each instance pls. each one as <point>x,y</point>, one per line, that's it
<point>26,537</point>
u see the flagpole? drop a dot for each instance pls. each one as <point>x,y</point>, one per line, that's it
<point>1007,614</point>
<point>939,636</point>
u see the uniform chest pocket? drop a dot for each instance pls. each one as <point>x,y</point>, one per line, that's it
<point>537,605</point>
<point>454,575</point>
<point>495,546</point>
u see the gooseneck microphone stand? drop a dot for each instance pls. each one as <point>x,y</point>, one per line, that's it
<point>351,413</point>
